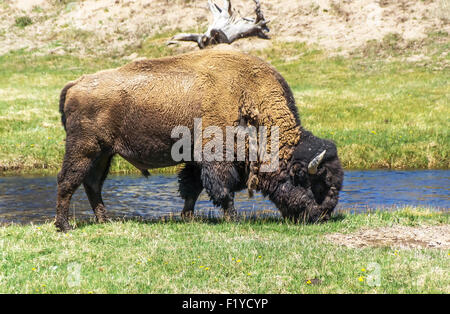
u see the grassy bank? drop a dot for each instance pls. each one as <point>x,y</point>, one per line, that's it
<point>382,112</point>
<point>252,256</point>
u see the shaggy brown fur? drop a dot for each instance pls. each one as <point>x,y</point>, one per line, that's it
<point>132,110</point>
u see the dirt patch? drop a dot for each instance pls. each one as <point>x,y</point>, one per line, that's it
<point>100,26</point>
<point>401,237</point>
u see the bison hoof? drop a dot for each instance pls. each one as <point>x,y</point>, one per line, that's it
<point>102,219</point>
<point>63,226</point>
<point>231,216</point>
<point>187,215</point>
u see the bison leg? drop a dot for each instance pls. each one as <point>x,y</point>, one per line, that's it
<point>69,179</point>
<point>190,188</point>
<point>93,184</point>
<point>228,208</point>
<point>79,159</point>
<point>220,181</point>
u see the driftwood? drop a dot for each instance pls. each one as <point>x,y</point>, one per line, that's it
<point>227,26</point>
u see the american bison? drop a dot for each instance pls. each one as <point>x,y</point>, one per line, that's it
<point>132,110</point>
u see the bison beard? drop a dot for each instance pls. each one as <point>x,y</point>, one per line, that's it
<point>131,111</point>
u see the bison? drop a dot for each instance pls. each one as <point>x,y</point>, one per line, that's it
<point>131,111</point>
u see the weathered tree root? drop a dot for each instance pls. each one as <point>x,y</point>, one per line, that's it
<point>227,26</point>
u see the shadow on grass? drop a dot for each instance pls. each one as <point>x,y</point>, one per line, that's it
<point>256,219</point>
<point>338,217</point>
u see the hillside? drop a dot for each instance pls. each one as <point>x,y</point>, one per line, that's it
<point>115,27</point>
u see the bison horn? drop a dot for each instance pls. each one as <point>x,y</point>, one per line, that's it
<point>312,167</point>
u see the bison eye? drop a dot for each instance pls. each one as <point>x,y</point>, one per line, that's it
<point>298,174</point>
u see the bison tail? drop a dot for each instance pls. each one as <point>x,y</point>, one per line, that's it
<point>62,100</point>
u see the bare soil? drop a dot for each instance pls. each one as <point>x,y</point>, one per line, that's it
<point>400,237</point>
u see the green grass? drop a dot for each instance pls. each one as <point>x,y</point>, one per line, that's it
<point>382,113</point>
<point>23,21</point>
<point>252,256</point>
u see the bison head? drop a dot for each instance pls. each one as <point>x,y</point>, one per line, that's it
<point>312,183</point>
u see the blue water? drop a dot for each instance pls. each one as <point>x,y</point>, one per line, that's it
<point>32,199</point>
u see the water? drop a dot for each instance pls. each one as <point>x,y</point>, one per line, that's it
<point>32,199</point>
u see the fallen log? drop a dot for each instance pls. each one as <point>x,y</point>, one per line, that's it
<point>227,26</point>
